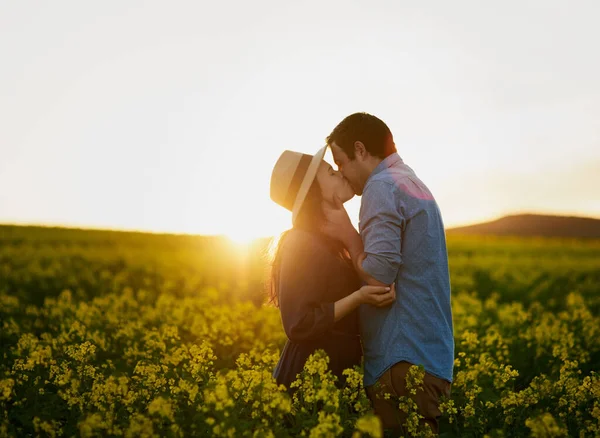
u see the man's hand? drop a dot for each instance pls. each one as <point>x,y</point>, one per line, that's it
<point>337,223</point>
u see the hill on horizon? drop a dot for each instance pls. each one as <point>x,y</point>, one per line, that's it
<point>538,225</point>
<point>519,225</point>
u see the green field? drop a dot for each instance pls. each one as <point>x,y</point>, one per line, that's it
<point>129,334</point>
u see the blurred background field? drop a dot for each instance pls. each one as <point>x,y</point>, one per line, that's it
<point>121,333</point>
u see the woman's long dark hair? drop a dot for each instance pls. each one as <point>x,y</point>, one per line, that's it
<point>310,218</point>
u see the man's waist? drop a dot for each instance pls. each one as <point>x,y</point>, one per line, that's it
<point>379,343</point>
<point>375,367</point>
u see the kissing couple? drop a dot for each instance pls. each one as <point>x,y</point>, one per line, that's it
<point>377,297</point>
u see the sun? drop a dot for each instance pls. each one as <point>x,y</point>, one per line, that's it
<point>254,222</point>
<point>241,237</point>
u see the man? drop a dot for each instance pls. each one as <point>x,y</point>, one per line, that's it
<point>401,241</point>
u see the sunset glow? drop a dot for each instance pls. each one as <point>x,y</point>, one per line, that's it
<point>176,128</point>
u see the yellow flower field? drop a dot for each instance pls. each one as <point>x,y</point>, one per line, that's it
<point>130,334</point>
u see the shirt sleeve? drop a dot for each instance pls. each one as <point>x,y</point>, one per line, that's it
<point>381,225</point>
<point>302,285</point>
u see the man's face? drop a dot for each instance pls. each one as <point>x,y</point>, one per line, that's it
<point>351,169</point>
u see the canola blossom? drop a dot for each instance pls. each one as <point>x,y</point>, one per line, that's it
<point>126,334</point>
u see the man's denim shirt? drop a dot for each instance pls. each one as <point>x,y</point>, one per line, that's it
<point>404,240</point>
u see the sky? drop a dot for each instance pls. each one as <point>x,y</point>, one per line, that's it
<point>169,116</point>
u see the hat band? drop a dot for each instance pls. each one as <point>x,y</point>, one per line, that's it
<point>297,181</point>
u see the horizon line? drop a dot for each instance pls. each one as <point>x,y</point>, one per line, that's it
<point>88,227</point>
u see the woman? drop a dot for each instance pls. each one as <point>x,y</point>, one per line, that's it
<point>313,281</point>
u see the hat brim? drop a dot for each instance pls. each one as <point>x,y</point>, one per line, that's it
<point>309,177</point>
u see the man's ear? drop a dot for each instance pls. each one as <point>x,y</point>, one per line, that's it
<point>360,150</point>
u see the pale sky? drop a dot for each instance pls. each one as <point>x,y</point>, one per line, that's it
<point>169,116</point>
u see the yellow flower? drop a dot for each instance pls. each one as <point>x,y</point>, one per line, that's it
<point>545,426</point>
<point>6,386</point>
<point>369,424</point>
<point>161,407</point>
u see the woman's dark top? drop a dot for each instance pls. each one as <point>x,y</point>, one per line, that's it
<point>311,278</point>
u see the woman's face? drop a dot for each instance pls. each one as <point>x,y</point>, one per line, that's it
<point>332,182</point>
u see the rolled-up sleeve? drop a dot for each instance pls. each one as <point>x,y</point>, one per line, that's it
<point>302,283</point>
<point>381,225</point>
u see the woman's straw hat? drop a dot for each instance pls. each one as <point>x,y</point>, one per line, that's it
<point>292,176</point>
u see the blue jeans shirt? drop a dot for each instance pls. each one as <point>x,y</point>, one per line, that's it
<point>404,239</point>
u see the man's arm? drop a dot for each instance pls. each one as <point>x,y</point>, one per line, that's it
<point>376,252</point>
<point>376,255</point>
<point>355,247</point>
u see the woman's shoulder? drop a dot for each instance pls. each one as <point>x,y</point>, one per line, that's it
<point>297,238</point>
<point>302,249</point>
<point>298,241</point>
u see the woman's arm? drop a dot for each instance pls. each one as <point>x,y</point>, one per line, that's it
<point>303,284</point>
<point>379,296</point>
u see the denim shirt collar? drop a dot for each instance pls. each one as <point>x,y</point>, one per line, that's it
<point>386,163</point>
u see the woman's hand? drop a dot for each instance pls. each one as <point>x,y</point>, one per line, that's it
<point>379,296</point>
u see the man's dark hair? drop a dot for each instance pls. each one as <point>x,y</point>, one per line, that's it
<point>366,128</point>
